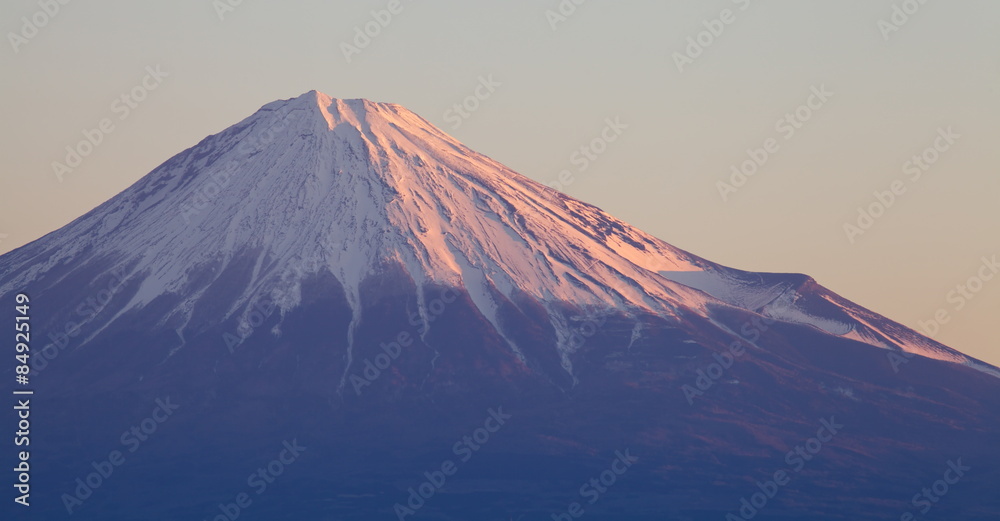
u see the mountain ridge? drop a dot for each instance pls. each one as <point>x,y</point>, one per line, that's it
<point>363,283</point>
<point>363,184</point>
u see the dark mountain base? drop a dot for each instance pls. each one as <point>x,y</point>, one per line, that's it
<point>697,460</point>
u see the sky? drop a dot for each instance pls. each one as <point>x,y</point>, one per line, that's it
<point>862,133</point>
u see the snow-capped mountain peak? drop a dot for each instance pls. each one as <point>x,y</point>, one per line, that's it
<point>351,188</point>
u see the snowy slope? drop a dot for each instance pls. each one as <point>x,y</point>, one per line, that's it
<point>800,300</point>
<point>350,187</point>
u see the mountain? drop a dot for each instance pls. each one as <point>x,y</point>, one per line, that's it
<point>344,276</point>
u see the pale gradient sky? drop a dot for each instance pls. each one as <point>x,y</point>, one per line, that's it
<point>608,59</point>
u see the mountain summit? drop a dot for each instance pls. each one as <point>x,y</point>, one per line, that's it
<point>344,273</point>
<point>352,188</point>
